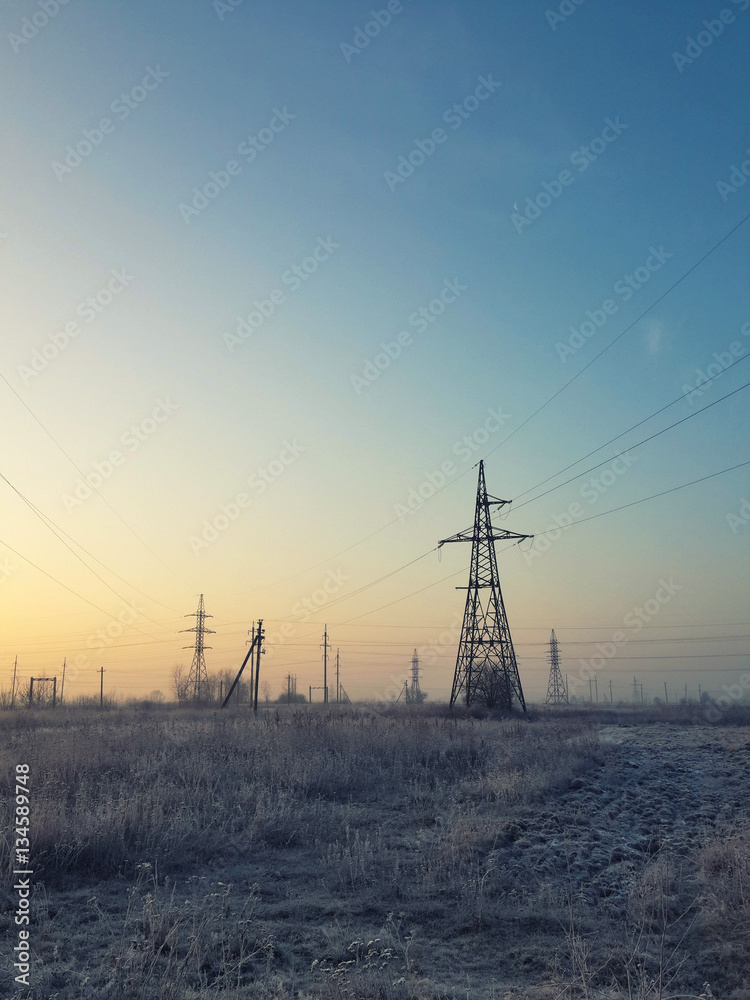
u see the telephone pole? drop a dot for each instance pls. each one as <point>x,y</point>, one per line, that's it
<point>13,688</point>
<point>198,676</point>
<point>253,654</point>
<point>325,664</point>
<point>486,669</point>
<point>557,693</point>
<point>62,686</point>
<point>101,687</point>
<point>338,683</point>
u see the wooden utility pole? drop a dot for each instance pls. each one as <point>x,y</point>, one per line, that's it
<point>596,686</point>
<point>13,688</point>
<point>611,699</point>
<point>666,696</point>
<point>252,664</point>
<point>338,686</point>
<point>248,656</point>
<point>325,664</point>
<point>258,651</point>
<point>101,687</point>
<point>62,686</point>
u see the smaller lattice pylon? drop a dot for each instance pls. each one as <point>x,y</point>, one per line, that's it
<point>414,695</point>
<point>197,684</point>
<point>556,690</point>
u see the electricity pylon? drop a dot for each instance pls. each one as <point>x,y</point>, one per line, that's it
<point>197,684</point>
<point>486,669</point>
<point>556,692</point>
<point>414,694</point>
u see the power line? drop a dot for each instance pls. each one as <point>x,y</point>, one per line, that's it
<point>653,496</point>
<point>618,436</point>
<point>633,447</point>
<point>621,335</point>
<point>83,474</point>
<point>65,586</point>
<point>440,489</point>
<point>57,531</point>
<point>366,586</point>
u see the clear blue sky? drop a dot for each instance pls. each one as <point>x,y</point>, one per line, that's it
<point>117,115</point>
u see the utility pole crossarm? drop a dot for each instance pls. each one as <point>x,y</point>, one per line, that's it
<point>498,535</point>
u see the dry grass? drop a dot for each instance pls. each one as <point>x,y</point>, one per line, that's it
<point>354,853</point>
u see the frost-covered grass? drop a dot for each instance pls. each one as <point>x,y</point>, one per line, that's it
<point>369,852</point>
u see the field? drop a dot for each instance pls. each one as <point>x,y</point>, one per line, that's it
<point>382,854</point>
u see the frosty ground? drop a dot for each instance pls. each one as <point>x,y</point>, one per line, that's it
<point>384,853</point>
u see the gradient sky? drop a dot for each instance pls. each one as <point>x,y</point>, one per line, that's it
<point>187,88</point>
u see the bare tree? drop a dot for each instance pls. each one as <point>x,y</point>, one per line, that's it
<point>180,682</point>
<point>266,689</point>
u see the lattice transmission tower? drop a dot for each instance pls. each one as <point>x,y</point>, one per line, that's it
<point>197,683</point>
<point>557,693</point>
<point>414,694</point>
<point>486,669</point>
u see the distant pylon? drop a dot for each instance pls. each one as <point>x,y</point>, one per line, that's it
<point>197,684</point>
<point>414,694</point>
<point>486,669</point>
<point>556,693</point>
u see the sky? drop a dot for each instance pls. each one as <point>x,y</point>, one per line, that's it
<point>276,276</point>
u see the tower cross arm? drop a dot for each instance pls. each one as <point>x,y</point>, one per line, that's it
<point>498,535</point>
